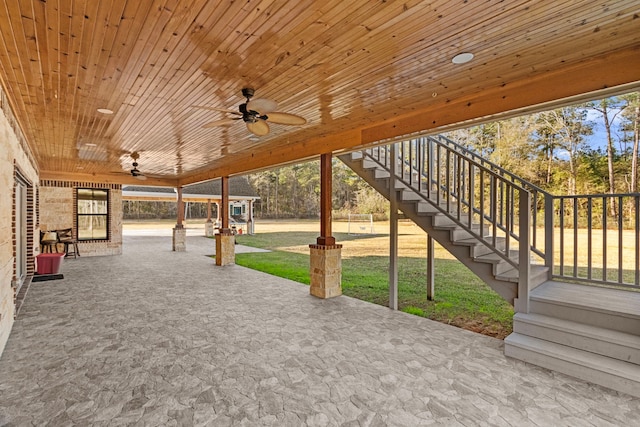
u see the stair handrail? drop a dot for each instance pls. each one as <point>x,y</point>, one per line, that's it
<point>383,155</point>
<point>488,163</point>
<point>548,219</point>
<point>421,163</point>
<point>541,200</point>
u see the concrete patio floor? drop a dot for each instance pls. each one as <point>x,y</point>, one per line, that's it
<point>155,337</point>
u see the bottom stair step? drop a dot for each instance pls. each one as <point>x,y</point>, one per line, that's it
<point>591,367</point>
<point>606,342</point>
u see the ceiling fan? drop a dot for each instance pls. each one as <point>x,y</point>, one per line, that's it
<point>135,172</point>
<point>255,114</point>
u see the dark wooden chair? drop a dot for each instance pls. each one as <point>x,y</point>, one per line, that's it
<point>48,241</point>
<point>65,236</point>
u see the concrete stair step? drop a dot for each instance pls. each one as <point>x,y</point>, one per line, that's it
<point>537,275</point>
<point>591,367</point>
<point>606,342</point>
<point>477,248</point>
<point>607,308</point>
<point>409,195</point>
<point>500,265</point>
<point>381,174</point>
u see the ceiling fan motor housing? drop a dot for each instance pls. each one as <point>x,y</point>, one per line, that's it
<point>247,92</point>
<point>250,116</point>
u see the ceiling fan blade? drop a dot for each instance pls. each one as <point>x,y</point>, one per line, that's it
<point>286,119</point>
<point>222,110</point>
<point>220,122</point>
<point>262,106</point>
<point>260,127</point>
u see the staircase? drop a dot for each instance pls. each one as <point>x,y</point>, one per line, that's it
<point>489,220</point>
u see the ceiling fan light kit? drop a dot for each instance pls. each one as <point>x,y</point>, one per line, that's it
<point>256,113</point>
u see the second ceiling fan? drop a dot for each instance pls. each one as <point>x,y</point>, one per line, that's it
<point>256,114</point>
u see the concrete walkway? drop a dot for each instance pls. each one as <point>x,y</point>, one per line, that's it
<point>161,338</point>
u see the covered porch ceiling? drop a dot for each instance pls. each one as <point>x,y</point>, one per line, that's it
<point>358,71</point>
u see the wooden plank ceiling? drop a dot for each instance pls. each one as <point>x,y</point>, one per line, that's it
<point>357,70</point>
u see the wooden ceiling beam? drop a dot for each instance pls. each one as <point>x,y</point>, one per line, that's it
<point>599,74</point>
<point>284,154</point>
<point>123,179</point>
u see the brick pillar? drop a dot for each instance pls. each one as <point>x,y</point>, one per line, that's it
<point>326,270</point>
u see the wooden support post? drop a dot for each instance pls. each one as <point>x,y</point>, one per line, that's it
<point>225,240</point>
<point>250,217</point>
<point>208,210</point>
<point>179,239</point>
<point>430,268</point>
<point>224,205</point>
<point>393,232</point>
<point>325,260</point>
<point>326,175</point>
<point>180,209</point>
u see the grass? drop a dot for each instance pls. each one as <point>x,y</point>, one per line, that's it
<point>461,299</point>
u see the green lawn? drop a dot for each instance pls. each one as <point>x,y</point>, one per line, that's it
<point>461,298</point>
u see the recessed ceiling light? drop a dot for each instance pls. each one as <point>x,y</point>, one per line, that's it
<point>462,58</point>
<point>105,111</point>
<point>90,144</point>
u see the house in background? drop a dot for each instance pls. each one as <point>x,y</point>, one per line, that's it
<point>241,199</point>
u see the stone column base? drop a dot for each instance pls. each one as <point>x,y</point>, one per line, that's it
<point>208,228</point>
<point>326,270</point>
<point>225,249</point>
<point>179,239</point>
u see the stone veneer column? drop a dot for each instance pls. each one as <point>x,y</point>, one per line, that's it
<point>326,270</point>
<point>208,228</point>
<point>179,239</point>
<point>225,248</point>
<point>179,232</point>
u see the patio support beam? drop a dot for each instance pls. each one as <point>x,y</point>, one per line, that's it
<point>179,241</point>
<point>225,240</point>
<point>393,232</point>
<point>430,268</point>
<point>326,256</point>
<point>326,176</point>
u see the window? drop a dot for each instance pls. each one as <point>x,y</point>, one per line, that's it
<point>93,214</point>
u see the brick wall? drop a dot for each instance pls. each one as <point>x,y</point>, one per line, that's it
<point>15,158</point>
<point>58,210</point>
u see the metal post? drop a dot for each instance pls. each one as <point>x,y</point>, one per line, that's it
<point>548,234</point>
<point>524,252</point>
<point>393,232</point>
<point>430,269</point>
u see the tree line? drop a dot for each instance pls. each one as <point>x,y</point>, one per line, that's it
<point>550,149</point>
